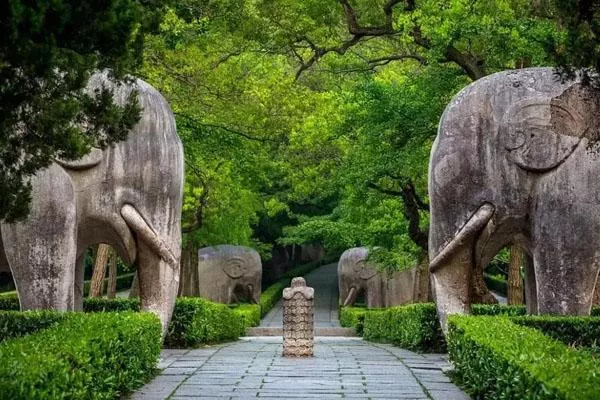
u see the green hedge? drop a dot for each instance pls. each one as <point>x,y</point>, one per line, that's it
<point>496,284</point>
<point>498,359</point>
<point>197,321</point>
<point>498,309</point>
<point>250,313</point>
<point>573,331</point>
<point>100,304</point>
<point>16,323</point>
<point>353,317</point>
<point>413,326</point>
<point>91,356</point>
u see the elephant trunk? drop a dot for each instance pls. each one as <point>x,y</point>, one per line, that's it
<point>158,264</point>
<point>351,298</point>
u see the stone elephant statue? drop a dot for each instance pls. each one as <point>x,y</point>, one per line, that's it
<point>128,195</point>
<point>228,274</point>
<point>512,164</point>
<point>380,289</point>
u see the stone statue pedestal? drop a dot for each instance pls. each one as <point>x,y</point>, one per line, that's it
<point>298,319</point>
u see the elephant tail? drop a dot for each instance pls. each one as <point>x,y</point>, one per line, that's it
<point>473,226</point>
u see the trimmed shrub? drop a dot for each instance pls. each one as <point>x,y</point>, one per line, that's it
<point>414,327</point>
<point>14,324</point>
<point>92,356</point>
<point>271,296</point>
<point>9,303</point>
<point>100,304</point>
<point>353,317</point>
<point>498,309</point>
<point>496,284</point>
<point>573,331</point>
<point>197,321</point>
<point>250,314</point>
<point>498,359</point>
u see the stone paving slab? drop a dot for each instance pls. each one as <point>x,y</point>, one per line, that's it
<point>348,368</point>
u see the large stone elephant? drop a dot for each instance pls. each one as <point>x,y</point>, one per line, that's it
<point>380,289</point>
<point>512,164</point>
<point>128,195</point>
<point>228,274</point>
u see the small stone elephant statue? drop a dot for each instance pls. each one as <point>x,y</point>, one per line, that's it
<point>228,274</point>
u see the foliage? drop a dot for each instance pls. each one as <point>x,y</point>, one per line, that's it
<point>573,331</point>
<point>495,358</point>
<point>100,304</point>
<point>250,314</point>
<point>498,309</point>
<point>48,50</point>
<point>353,317</point>
<point>9,302</point>
<point>414,327</point>
<point>197,321</point>
<point>96,356</point>
<point>15,323</point>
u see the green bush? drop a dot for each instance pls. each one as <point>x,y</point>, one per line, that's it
<point>197,321</point>
<point>498,309</point>
<point>413,326</point>
<point>100,304</point>
<point>573,331</point>
<point>496,284</point>
<point>16,323</point>
<point>9,303</point>
<point>353,317</point>
<point>271,296</point>
<point>91,356</point>
<point>250,314</point>
<point>498,359</point>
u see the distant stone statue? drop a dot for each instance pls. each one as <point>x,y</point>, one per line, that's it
<point>229,274</point>
<point>516,162</point>
<point>298,319</point>
<point>357,276</point>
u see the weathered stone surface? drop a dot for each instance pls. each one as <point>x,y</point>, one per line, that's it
<point>228,273</point>
<point>380,289</point>
<point>128,196</point>
<point>512,165</point>
<point>298,319</point>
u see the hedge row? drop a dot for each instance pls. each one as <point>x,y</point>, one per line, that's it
<point>413,326</point>
<point>353,317</point>
<point>15,324</point>
<point>91,356</point>
<point>498,359</point>
<point>250,314</point>
<point>573,331</point>
<point>195,320</point>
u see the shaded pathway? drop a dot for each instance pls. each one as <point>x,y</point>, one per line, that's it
<point>325,282</point>
<point>341,368</point>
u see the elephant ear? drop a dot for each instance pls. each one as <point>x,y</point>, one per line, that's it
<point>234,267</point>
<point>366,272</point>
<point>90,160</point>
<point>539,134</point>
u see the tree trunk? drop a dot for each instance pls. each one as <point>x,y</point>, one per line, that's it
<point>480,294</point>
<point>97,285</point>
<point>188,281</point>
<point>135,287</point>
<point>422,284</point>
<point>515,281</point>
<point>111,290</point>
<point>530,286</point>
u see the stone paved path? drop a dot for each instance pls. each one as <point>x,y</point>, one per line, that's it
<point>325,282</point>
<point>347,368</point>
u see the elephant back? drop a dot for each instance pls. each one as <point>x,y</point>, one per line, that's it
<point>234,261</point>
<point>353,262</point>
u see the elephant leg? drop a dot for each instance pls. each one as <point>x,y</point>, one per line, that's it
<point>41,250</point>
<point>566,256</point>
<point>375,292</point>
<point>79,283</point>
<point>452,284</point>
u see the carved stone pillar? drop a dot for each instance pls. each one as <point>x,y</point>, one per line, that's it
<point>298,319</point>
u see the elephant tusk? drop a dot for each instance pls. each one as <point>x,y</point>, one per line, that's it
<point>351,297</point>
<point>473,225</point>
<point>146,234</point>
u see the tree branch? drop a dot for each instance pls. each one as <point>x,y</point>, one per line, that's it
<point>197,122</point>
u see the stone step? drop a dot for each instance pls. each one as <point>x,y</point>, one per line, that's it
<point>319,331</point>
